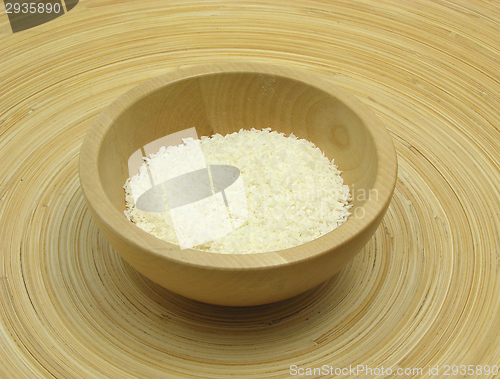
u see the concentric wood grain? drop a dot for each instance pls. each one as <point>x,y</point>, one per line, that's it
<point>425,291</point>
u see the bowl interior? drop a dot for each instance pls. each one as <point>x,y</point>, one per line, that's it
<point>225,102</point>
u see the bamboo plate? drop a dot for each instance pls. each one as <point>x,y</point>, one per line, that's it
<point>424,292</point>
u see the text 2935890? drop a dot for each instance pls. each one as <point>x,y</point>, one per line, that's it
<point>32,7</point>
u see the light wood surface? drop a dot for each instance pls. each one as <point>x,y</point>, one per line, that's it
<point>429,70</point>
<point>224,98</point>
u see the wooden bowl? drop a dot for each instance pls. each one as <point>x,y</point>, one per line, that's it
<point>223,98</point>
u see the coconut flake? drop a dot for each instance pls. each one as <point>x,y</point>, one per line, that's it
<point>294,193</point>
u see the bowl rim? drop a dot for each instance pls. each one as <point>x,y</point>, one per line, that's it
<point>94,193</point>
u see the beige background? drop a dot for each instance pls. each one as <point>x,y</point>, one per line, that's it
<point>425,290</point>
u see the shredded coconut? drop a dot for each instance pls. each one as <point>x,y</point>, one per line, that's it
<point>294,193</point>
